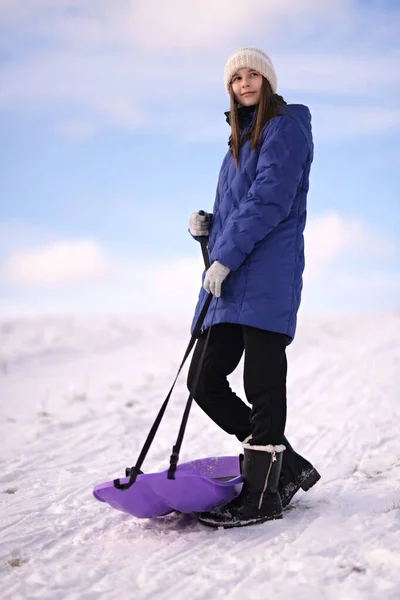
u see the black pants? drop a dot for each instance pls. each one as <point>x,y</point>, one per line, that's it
<point>265,370</point>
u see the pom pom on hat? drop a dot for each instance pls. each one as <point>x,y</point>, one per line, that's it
<point>250,58</point>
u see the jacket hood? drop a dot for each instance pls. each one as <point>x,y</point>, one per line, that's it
<point>301,114</point>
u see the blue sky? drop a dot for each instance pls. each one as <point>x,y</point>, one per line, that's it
<point>112,132</point>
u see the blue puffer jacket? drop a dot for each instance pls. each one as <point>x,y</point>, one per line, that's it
<point>257,225</point>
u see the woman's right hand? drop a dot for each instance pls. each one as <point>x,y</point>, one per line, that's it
<point>198,224</point>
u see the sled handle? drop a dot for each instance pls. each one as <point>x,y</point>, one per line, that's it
<point>203,242</point>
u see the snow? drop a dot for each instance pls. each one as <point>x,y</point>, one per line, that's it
<point>77,398</point>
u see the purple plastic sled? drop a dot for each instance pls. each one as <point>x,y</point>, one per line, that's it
<point>198,486</point>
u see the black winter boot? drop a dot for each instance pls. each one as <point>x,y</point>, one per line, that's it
<point>296,473</point>
<point>259,499</point>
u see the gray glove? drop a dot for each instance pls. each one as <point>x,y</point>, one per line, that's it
<point>198,224</point>
<point>215,275</point>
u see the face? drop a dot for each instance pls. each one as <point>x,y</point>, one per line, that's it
<point>246,85</point>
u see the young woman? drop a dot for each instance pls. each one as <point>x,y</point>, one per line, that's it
<point>255,241</point>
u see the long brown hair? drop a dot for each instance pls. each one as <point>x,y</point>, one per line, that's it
<point>267,108</point>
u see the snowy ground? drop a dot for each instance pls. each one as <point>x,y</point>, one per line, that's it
<point>76,400</point>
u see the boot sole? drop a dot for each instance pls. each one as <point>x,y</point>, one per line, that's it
<point>216,525</point>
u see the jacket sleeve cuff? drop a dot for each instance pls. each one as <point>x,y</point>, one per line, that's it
<point>232,259</point>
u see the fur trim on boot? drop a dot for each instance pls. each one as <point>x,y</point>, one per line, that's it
<point>296,473</point>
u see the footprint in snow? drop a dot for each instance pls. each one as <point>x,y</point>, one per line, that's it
<point>78,398</point>
<point>130,403</point>
<point>44,414</point>
<point>15,561</point>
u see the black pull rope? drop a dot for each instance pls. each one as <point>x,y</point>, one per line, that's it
<point>204,250</point>
<point>136,469</point>
<point>174,458</point>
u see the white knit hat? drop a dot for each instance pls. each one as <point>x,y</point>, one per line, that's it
<point>251,58</point>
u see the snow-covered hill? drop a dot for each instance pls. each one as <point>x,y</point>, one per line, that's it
<point>77,398</point>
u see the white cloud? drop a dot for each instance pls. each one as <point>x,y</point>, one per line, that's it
<point>118,63</point>
<point>340,73</point>
<point>340,271</point>
<point>97,86</point>
<point>15,234</point>
<point>62,263</point>
<point>332,122</point>
<point>76,275</point>
<point>160,25</point>
<point>331,237</point>
<point>157,285</point>
<point>180,276</point>
<point>134,286</point>
<point>76,128</point>
<point>351,290</point>
<point>179,24</point>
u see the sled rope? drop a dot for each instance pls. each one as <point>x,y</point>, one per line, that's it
<point>174,458</point>
<point>135,470</point>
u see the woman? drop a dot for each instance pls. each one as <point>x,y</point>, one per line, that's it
<point>257,259</point>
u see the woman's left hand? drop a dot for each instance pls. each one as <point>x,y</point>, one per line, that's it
<point>215,275</point>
